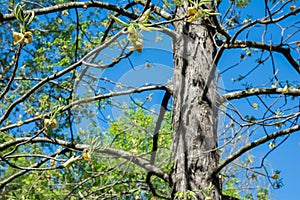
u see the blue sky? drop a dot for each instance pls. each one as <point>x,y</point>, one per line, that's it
<point>286,158</point>
<point>158,54</point>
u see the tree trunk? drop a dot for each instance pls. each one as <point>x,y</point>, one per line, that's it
<point>195,113</point>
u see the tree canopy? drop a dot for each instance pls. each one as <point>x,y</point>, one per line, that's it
<point>144,99</point>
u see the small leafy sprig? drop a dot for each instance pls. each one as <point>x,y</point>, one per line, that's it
<point>135,28</point>
<point>24,36</point>
<point>50,123</point>
<point>194,12</point>
<point>25,19</point>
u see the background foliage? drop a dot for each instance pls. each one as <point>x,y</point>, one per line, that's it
<point>59,138</point>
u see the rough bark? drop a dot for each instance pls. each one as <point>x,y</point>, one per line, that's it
<point>195,116</point>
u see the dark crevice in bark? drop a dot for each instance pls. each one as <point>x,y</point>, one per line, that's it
<point>194,117</point>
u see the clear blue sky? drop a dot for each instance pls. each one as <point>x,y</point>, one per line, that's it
<point>159,55</point>
<point>286,158</point>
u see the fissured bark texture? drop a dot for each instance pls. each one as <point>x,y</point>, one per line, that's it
<point>195,113</point>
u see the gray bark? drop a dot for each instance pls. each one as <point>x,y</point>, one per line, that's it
<point>195,113</point>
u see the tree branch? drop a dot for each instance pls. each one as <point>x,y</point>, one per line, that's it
<point>80,147</point>
<point>138,161</point>
<point>253,145</point>
<point>114,94</point>
<point>58,74</point>
<point>286,52</point>
<point>260,91</point>
<point>161,12</point>
<point>163,108</point>
<point>11,79</point>
<point>90,99</point>
<point>21,172</point>
<point>70,5</point>
<point>264,21</point>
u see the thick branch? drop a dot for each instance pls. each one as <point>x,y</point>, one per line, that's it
<point>261,91</point>
<point>286,52</point>
<point>70,5</point>
<point>253,145</point>
<point>91,99</point>
<point>113,94</point>
<point>138,161</point>
<point>16,141</point>
<point>80,147</point>
<point>163,108</point>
